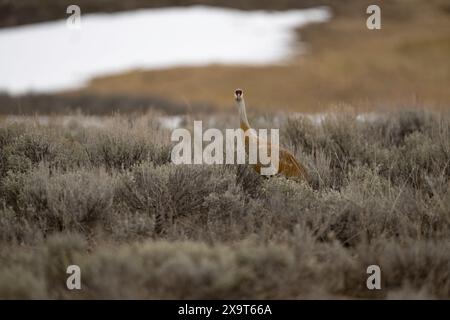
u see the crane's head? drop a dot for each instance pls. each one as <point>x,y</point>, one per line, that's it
<point>238,94</point>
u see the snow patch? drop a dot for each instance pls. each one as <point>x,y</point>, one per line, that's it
<point>48,57</point>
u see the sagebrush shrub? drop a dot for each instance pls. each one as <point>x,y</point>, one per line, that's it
<point>59,201</point>
<point>106,196</point>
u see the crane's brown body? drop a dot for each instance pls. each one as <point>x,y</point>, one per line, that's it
<point>288,165</point>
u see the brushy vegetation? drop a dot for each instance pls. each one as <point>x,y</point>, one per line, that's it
<point>89,104</point>
<point>108,199</point>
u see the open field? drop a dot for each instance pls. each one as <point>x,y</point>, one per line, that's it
<point>86,176</point>
<point>405,63</point>
<point>101,193</point>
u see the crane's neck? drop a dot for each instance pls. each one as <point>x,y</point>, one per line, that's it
<point>243,115</point>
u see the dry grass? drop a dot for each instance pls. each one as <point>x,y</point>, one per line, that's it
<point>406,63</point>
<point>109,200</point>
<point>101,192</point>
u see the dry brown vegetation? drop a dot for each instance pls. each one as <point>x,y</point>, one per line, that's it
<point>405,64</point>
<point>402,65</point>
<point>100,192</point>
<point>107,198</point>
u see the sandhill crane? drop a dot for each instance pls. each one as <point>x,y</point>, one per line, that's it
<point>288,165</point>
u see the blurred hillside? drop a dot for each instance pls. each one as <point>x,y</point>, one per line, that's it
<point>14,13</point>
<point>405,64</point>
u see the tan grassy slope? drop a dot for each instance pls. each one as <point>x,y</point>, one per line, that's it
<point>404,63</point>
